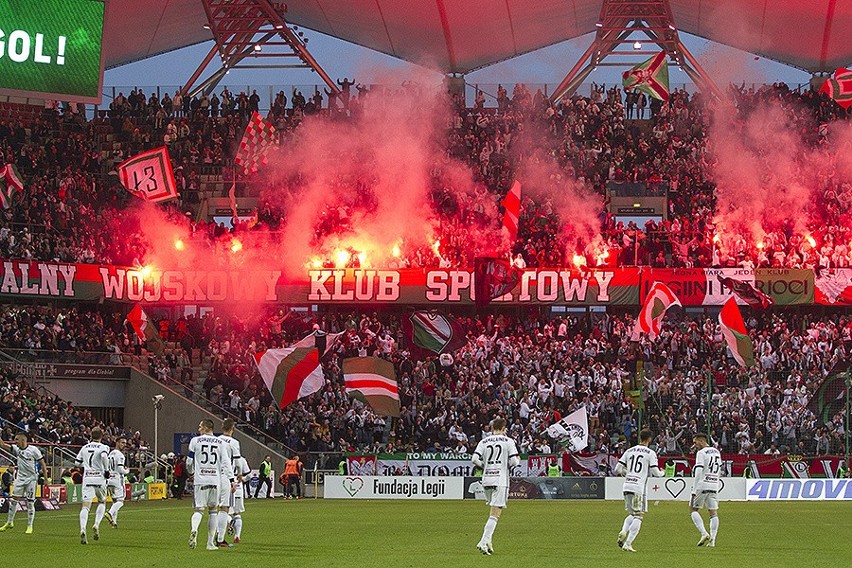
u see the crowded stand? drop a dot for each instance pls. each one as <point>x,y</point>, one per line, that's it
<point>533,370</point>
<point>71,205</point>
<point>49,420</point>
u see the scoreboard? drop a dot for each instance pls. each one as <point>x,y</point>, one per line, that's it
<point>52,49</point>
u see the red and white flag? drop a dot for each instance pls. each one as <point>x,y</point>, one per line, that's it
<point>291,373</point>
<point>512,204</point>
<point>735,333</point>
<point>259,137</point>
<point>660,298</point>
<point>145,329</point>
<point>149,175</point>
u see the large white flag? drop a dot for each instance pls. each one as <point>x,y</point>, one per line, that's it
<point>573,430</point>
<point>149,175</point>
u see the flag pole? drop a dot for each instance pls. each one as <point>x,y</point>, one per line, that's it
<point>316,481</point>
<point>709,401</point>
<point>848,385</point>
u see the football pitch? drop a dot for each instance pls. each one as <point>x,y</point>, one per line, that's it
<point>435,534</point>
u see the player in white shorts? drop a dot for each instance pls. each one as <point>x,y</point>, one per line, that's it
<point>206,460</point>
<point>115,484</point>
<point>705,488</point>
<point>242,472</point>
<point>93,458</point>
<point>636,464</point>
<point>26,479</point>
<point>231,447</point>
<point>496,455</point>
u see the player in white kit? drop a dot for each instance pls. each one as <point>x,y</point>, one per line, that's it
<point>26,479</point>
<point>637,464</point>
<point>705,487</point>
<point>496,454</point>
<point>226,490</point>
<point>242,472</point>
<point>94,459</point>
<point>208,463</point>
<point>115,484</point>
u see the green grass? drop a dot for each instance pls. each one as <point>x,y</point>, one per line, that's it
<point>433,534</point>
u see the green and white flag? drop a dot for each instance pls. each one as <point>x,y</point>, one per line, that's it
<point>11,183</point>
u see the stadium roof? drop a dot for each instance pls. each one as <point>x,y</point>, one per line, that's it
<point>462,35</point>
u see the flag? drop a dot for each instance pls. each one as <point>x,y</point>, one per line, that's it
<point>747,293</point>
<point>830,397</point>
<point>291,373</point>
<point>572,431</point>
<point>651,76</point>
<point>149,175</point>
<point>259,137</point>
<point>839,87</point>
<point>145,330</point>
<point>433,332</point>
<point>10,184</point>
<point>320,340</point>
<point>512,205</point>
<point>232,199</point>
<point>735,334</point>
<point>660,298</point>
<point>372,380</point>
<point>493,278</point>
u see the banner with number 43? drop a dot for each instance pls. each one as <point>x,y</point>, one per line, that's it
<point>149,175</point>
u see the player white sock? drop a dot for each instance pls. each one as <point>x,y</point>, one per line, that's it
<point>84,519</point>
<point>626,526</point>
<point>212,518</point>
<point>699,522</point>
<point>113,511</point>
<point>634,530</point>
<point>13,508</point>
<point>196,521</point>
<point>714,527</point>
<point>490,525</point>
<point>30,512</point>
<point>222,525</point>
<point>99,514</point>
<point>238,526</point>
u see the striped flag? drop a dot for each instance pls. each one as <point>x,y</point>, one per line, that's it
<point>651,76</point>
<point>10,184</point>
<point>660,298</point>
<point>145,330</point>
<point>372,380</point>
<point>259,137</point>
<point>291,373</point>
<point>512,204</point>
<point>735,334</point>
<point>433,332</point>
<point>839,87</point>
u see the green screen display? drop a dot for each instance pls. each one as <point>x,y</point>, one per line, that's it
<point>52,47</point>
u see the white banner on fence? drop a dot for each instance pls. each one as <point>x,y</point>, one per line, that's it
<point>386,487</point>
<point>799,490</point>
<point>676,489</point>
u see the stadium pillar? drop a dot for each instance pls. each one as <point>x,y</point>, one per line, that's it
<point>241,31</point>
<point>620,21</point>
